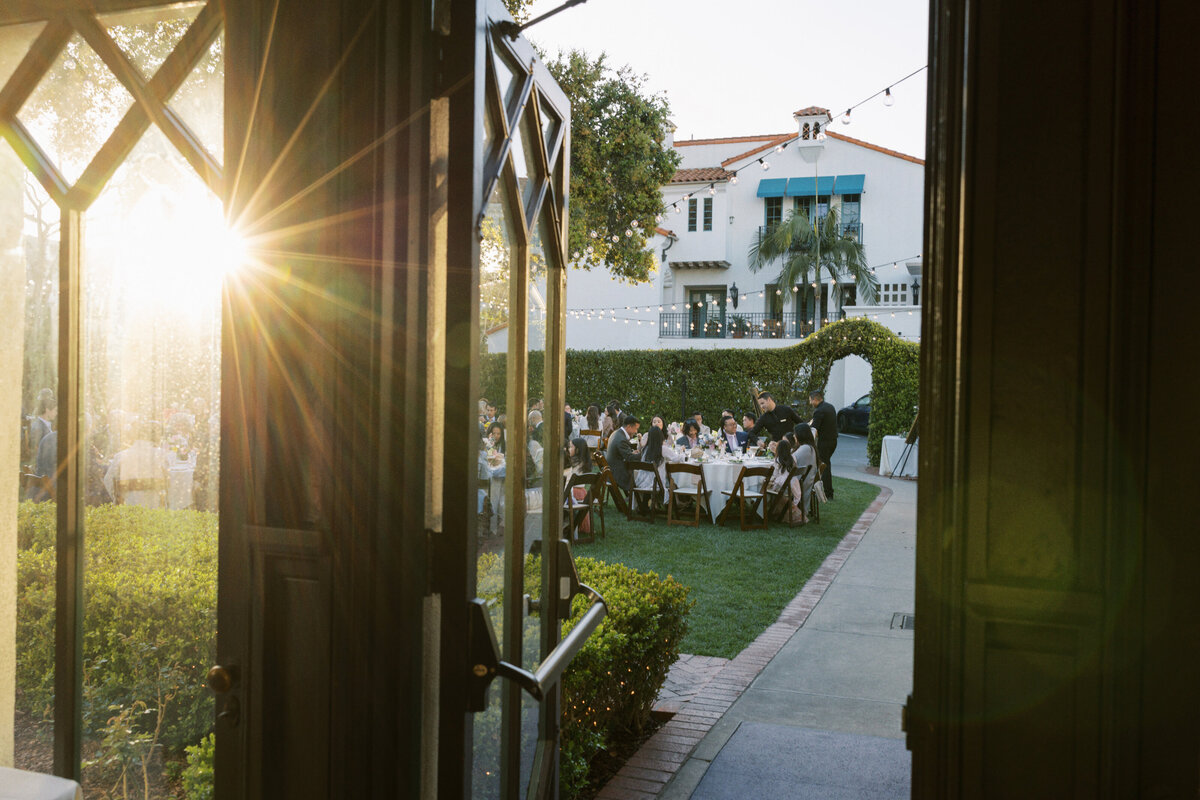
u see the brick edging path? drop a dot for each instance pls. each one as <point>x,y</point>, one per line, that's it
<point>648,771</point>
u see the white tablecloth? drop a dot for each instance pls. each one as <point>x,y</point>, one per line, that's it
<point>15,783</point>
<point>720,476</point>
<point>893,453</point>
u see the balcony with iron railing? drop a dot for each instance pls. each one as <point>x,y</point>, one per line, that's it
<point>686,325</point>
<point>852,230</point>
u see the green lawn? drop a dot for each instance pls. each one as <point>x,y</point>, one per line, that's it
<point>740,580</point>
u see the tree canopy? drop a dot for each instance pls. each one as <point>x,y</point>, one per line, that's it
<point>618,164</point>
<point>806,248</point>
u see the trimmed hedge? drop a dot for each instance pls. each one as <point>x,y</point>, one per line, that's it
<point>609,689</point>
<point>650,382</point>
<point>150,589</point>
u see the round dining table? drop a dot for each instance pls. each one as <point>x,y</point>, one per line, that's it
<point>720,474</point>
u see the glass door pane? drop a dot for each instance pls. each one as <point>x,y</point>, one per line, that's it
<point>501,429</point>
<point>29,225</point>
<point>155,249</point>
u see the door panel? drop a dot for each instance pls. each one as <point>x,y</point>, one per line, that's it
<point>1043,648</point>
<point>521,273</point>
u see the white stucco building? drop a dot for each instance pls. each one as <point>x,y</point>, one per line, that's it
<point>723,197</point>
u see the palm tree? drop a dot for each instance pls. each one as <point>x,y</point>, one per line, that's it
<point>807,250</point>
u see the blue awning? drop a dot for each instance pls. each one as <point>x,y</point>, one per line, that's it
<point>850,184</point>
<point>771,187</point>
<point>803,187</point>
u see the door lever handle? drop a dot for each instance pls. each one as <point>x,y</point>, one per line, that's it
<point>484,651</point>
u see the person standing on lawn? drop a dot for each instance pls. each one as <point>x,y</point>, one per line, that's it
<point>824,420</point>
<point>776,420</point>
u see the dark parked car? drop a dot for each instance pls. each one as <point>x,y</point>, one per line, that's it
<point>856,416</point>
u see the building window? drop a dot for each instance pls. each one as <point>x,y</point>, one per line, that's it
<point>708,213</point>
<point>706,319</point>
<point>893,294</point>
<point>806,204</point>
<point>774,211</point>
<point>692,214</point>
<point>851,216</point>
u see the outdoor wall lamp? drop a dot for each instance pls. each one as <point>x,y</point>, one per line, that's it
<point>733,294</point>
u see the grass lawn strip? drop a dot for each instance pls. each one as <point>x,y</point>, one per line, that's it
<point>741,580</point>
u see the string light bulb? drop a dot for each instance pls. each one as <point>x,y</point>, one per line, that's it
<point>888,99</point>
<point>765,165</point>
<point>846,117</point>
<point>733,179</point>
<point>712,189</point>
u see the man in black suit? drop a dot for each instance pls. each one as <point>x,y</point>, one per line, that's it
<point>824,420</point>
<point>621,451</point>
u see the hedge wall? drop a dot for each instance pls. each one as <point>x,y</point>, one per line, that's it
<point>649,382</point>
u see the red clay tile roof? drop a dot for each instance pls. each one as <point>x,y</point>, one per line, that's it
<point>811,111</point>
<point>694,174</point>
<point>869,146</point>
<point>778,140</point>
<point>727,140</point>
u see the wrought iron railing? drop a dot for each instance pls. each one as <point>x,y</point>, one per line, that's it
<point>734,326</point>
<point>851,230</point>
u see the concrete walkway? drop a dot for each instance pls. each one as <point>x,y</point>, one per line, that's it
<point>812,707</point>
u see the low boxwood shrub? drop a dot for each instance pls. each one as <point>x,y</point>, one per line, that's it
<point>609,689</point>
<point>150,599</point>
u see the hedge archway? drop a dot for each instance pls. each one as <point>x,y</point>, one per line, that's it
<point>675,383</point>
<point>895,374</point>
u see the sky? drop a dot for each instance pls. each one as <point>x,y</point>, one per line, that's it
<point>741,67</point>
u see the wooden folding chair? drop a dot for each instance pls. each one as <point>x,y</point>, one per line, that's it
<point>599,460</point>
<point>613,489</point>
<point>814,505</point>
<point>46,483</point>
<point>776,502</point>
<point>576,510</point>
<point>589,432</point>
<point>649,498</point>
<point>747,498</point>
<point>697,493</point>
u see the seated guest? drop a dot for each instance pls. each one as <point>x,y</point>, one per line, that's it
<point>795,492</point>
<point>535,426</point>
<point>137,475</point>
<point>728,412</point>
<point>735,440</point>
<point>654,453</point>
<point>691,435</point>
<point>593,424</point>
<point>620,450</point>
<point>578,458</point>
<point>804,447</point>
<point>657,422</point>
<point>495,436</point>
<point>748,420</point>
<point>699,418</point>
<point>609,423</point>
